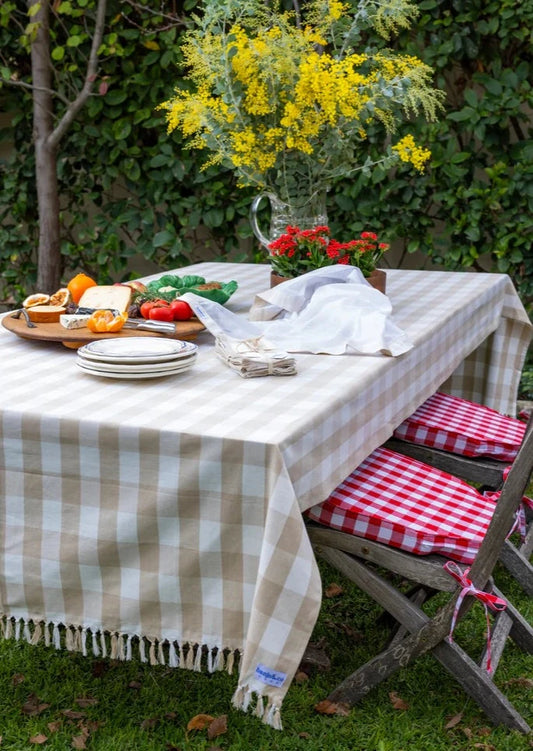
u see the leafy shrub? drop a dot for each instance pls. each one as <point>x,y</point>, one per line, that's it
<point>127,187</point>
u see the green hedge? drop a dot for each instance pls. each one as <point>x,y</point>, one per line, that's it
<point>472,207</point>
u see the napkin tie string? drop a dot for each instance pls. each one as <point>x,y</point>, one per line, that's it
<point>487,599</point>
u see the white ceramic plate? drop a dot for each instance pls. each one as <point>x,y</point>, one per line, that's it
<point>137,349</point>
<point>124,367</point>
<point>126,374</point>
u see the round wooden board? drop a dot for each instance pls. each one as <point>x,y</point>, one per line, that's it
<point>74,338</point>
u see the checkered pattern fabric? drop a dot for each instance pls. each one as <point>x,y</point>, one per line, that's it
<point>171,509</point>
<point>462,427</point>
<point>402,502</point>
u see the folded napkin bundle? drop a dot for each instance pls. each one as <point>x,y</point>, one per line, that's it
<point>254,356</point>
<point>238,343</point>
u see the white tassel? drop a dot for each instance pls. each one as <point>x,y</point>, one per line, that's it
<point>151,652</point>
<point>84,642</point>
<point>47,639</point>
<point>238,697</point>
<point>182,656</point>
<point>161,654</point>
<point>18,625</point>
<point>172,656</point>
<point>56,636</point>
<point>128,647</point>
<point>198,659</point>
<point>273,717</point>
<point>246,699</point>
<point>120,647</point>
<point>37,634</point>
<point>189,662</point>
<point>142,652</point>
<point>96,650</point>
<point>27,633</point>
<point>103,644</point>
<point>230,662</point>
<point>259,710</point>
<point>219,660</point>
<point>9,629</point>
<point>69,639</point>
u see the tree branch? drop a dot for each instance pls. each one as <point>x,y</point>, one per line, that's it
<point>24,85</point>
<point>92,67</point>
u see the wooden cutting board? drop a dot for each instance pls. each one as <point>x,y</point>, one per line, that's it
<point>74,338</point>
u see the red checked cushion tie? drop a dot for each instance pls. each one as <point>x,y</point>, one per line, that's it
<point>404,503</point>
<point>461,427</point>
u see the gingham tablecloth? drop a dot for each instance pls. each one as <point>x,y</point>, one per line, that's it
<point>162,518</point>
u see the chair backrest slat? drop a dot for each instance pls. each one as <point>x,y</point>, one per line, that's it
<point>509,501</point>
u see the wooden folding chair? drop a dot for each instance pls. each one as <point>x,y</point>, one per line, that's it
<point>376,504</point>
<point>476,443</point>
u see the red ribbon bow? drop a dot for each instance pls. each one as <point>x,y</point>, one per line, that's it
<point>487,599</point>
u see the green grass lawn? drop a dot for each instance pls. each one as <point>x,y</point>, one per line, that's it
<point>133,706</point>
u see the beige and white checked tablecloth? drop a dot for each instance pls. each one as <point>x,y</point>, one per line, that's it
<point>163,518</point>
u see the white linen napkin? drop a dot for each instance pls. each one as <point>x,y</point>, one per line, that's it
<point>333,310</point>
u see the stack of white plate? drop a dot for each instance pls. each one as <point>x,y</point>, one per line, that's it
<point>136,357</point>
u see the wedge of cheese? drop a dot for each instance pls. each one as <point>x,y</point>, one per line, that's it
<point>114,296</point>
<point>74,320</point>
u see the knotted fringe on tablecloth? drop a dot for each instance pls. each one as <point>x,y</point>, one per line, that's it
<point>265,708</point>
<point>119,646</point>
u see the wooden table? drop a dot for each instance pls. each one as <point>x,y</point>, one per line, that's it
<point>163,518</point>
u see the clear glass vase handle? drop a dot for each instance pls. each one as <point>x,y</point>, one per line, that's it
<point>253,217</point>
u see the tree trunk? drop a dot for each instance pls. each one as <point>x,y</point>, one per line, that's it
<point>49,256</point>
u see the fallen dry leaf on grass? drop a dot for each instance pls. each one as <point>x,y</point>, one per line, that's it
<point>523,682</point>
<point>79,741</point>
<point>73,714</point>
<point>453,721</point>
<point>333,590</point>
<point>149,723</point>
<point>86,701</point>
<point>397,702</point>
<point>200,722</point>
<point>219,726</point>
<point>54,726</point>
<point>329,707</point>
<point>17,678</point>
<point>33,706</point>
<point>38,739</point>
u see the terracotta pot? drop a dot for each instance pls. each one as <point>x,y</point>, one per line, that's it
<point>276,279</point>
<point>378,279</point>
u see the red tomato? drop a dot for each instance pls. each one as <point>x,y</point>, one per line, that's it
<point>181,310</point>
<point>161,313</point>
<point>147,306</point>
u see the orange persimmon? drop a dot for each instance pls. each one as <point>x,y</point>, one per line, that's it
<point>105,322</point>
<point>78,284</point>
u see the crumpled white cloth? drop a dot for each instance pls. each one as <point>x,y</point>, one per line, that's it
<point>254,357</point>
<point>333,310</point>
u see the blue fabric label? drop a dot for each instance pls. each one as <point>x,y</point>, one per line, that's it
<point>270,677</point>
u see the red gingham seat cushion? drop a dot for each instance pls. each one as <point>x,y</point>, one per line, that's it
<point>461,427</point>
<point>399,501</point>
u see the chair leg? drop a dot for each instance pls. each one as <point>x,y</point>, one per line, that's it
<point>425,635</point>
<point>521,631</point>
<point>516,562</point>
